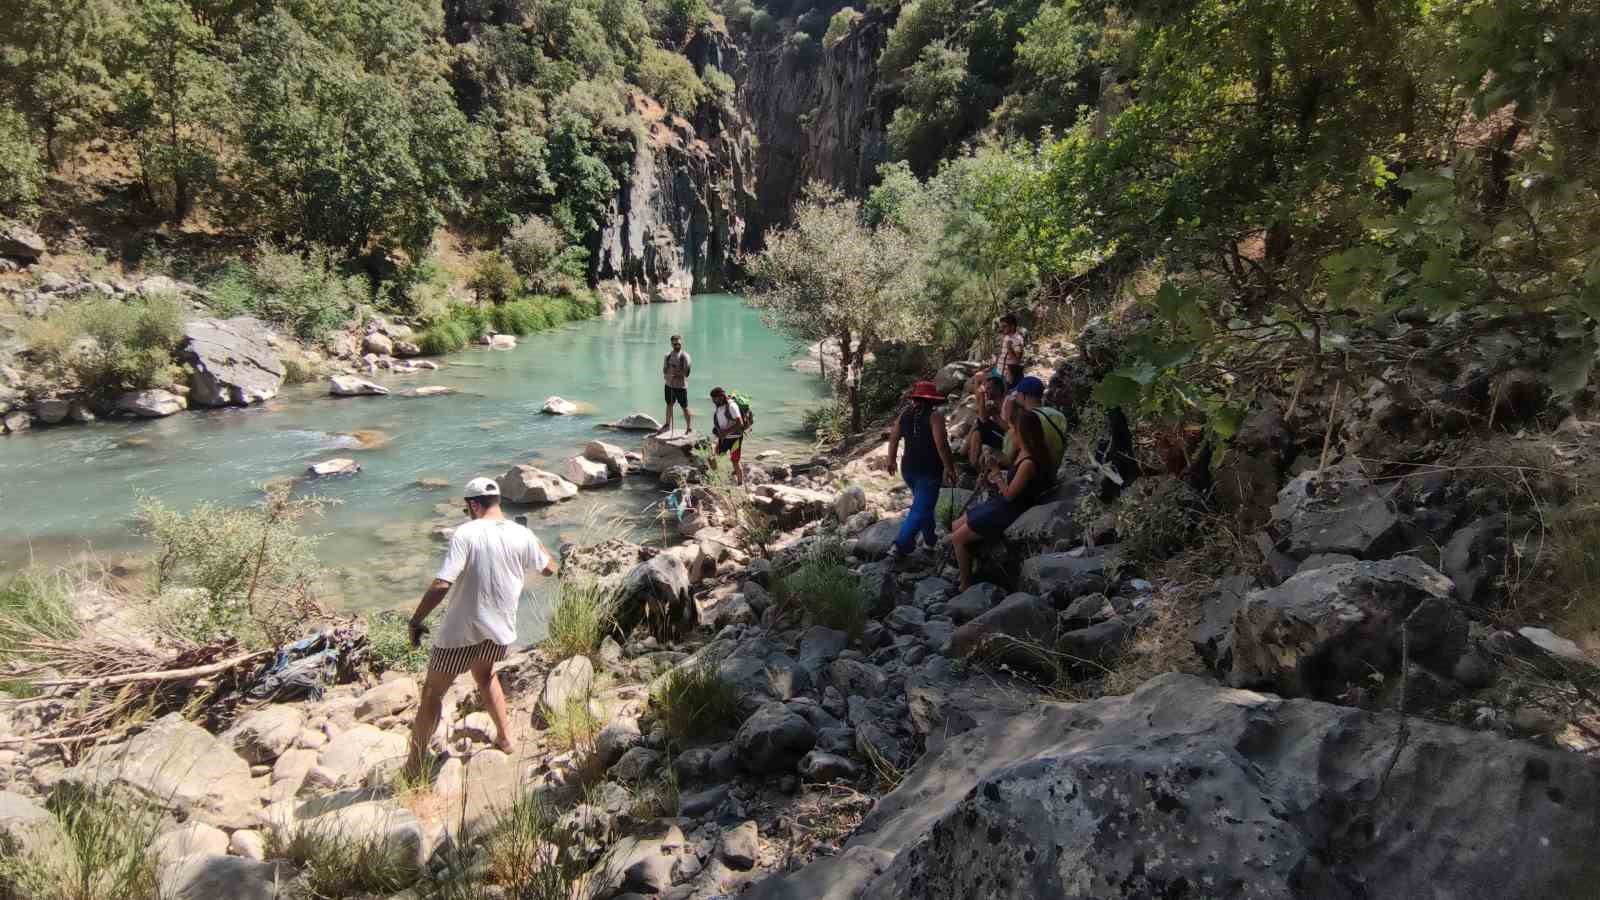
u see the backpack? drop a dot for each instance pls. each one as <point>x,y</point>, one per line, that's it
<point>745,406</point>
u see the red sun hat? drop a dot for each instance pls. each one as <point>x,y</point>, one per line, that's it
<point>925,390</point>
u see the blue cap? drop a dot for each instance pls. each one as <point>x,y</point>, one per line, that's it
<point>1030,387</point>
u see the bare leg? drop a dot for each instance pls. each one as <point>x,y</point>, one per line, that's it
<point>688,420</point>
<point>494,699</point>
<point>433,691</point>
<point>668,426</point>
<point>962,540</point>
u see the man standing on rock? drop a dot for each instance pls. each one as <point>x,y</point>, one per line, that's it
<point>675,371</point>
<point>483,574</point>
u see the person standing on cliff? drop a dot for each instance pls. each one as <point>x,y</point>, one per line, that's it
<point>675,372</point>
<point>483,574</point>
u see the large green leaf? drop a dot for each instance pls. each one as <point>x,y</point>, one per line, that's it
<point>1117,390</point>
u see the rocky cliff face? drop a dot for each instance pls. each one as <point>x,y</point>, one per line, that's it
<point>700,192</point>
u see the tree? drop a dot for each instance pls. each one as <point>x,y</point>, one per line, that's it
<point>52,68</point>
<point>172,93</point>
<point>20,171</point>
<point>831,277</point>
<point>840,25</point>
<point>670,78</point>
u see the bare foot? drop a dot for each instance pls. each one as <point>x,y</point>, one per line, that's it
<point>504,745</point>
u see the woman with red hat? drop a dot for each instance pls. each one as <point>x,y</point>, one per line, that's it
<point>926,462</point>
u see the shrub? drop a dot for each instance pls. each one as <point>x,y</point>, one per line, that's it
<point>762,23</point>
<point>574,725</point>
<point>105,347</point>
<point>302,294</point>
<point>493,277</point>
<point>694,701</point>
<point>828,593</point>
<point>840,25</point>
<point>33,606</point>
<point>389,642</point>
<point>718,82</point>
<point>443,337</point>
<point>828,423</point>
<point>582,616</point>
<point>517,853</point>
<point>670,78</point>
<point>20,170</point>
<point>519,317</point>
<point>802,47</point>
<point>1157,518</point>
<point>253,568</point>
<point>339,864</point>
<point>542,253</point>
<point>105,855</point>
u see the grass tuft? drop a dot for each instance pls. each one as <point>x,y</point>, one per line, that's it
<point>103,854</point>
<point>827,592</point>
<point>337,864</point>
<point>695,701</point>
<point>574,725</point>
<point>582,617</point>
<point>389,641</point>
<point>34,606</point>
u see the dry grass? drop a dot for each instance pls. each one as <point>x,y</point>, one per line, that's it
<point>574,726</point>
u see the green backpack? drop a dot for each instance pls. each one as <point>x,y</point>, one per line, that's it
<point>746,407</point>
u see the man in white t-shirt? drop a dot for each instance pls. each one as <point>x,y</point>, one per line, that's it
<point>483,574</point>
<point>728,424</point>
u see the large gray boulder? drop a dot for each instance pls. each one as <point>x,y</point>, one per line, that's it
<point>1187,789</point>
<point>1065,576</point>
<point>656,592</point>
<point>20,242</point>
<point>1475,559</point>
<point>176,765</point>
<point>1336,510</point>
<point>1045,524</point>
<point>791,507</point>
<point>233,360</point>
<point>151,404</point>
<point>1019,631</point>
<point>27,827</point>
<point>533,485</point>
<point>204,876</point>
<point>262,735</point>
<point>774,740</point>
<point>876,541</point>
<point>1323,632</point>
<point>664,451</point>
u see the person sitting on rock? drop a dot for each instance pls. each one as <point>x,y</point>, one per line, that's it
<point>1030,478</point>
<point>927,464</point>
<point>675,372</point>
<point>990,429</point>
<point>483,574</point>
<point>729,425</point>
<point>1029,394</point>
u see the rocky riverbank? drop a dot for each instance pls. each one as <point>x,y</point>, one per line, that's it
<point>1358,709</point>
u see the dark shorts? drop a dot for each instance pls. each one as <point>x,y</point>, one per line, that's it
<point>730,446</point>
<point>679,396</point>
<point>455,660</point>
<point>992,517</point>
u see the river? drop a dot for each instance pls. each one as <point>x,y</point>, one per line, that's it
<point>71,489</point>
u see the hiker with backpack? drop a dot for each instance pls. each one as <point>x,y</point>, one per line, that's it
<point>926,466</point>
<point>730,422</point>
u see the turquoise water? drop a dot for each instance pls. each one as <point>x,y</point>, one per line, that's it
<point>69,489</point>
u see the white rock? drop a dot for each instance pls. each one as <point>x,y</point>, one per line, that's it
<point>848,502</point>
<point>351,386</point>
<point>431,390</point>
<point>248,843</point>
<point>556,406</point>
<point>528,484</point>
<point>187,840</point>
<point>501,341</point>
<point>586,472</point>
<point>158,284</point>
<point>636,422</point>
<point>354,752</point>
<point>374,823</point>
<point>379,344</point>
<point>387,699</point>
<point>571,679</point>
<point>614,457</point>
<point>331,467</point>
<point>263,735</point>
<point>1554,644</point>
<point>151,404</point>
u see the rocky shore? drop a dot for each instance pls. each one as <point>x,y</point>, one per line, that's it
<point>1353,711</point>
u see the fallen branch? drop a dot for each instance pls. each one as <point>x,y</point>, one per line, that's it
<point>155,677</point>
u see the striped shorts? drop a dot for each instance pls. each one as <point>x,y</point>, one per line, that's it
<point>455,660</point>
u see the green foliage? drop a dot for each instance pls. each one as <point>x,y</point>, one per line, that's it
<point>21,172</point>
<point>53,67</point>
<point>105,346</point>
<point>829,422</point>
<point>338,863</point>
<point>445,336</point>
<point>573,726</point>
<point>938,108</point>
<point>303,293</point>
<point>34,607</point>
<point>693,701</point>
<point>389,643</point>
<point>671,79</point>
<point>106,853</point>
<point>544,256</point>
<point>493,277</point>
<point>1156,519</point>
<point>517,851</point>
<point>718,82</point>
<point>582,616</point>
<point>763,23</point>
<point>827,592</point>
<point>840,25</point>
<point>680,17</point>
<point>252,571</point>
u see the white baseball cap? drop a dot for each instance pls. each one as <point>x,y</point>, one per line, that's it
<point>482,487</point>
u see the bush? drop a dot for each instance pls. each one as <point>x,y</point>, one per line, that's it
<point>21,173</point>
<point>305,295</point>
<point>33,606</point>
<point>542,253</point>
<point>582,616</point>
<point>389,642</point>
<point>1156,518</point>
<point>762,23</point>
<point>828,593</point>
<point>336,864</point>
<point>105,347</point>
<point>829,423</point>
<point>718,82</point>
<point>493,277</point>
<point>802,47</point>
<point>670,78</point>
<point>253,568</point>
<point>840,25</point>
<point>694,701</point>
<point>106,854</point>
<point>443,337</point>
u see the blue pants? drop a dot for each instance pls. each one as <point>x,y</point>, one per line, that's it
<point>920,518</point>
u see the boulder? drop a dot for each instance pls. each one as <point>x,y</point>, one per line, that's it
<point>20,242</point>
<point>209,876</point>
<point>378,343</point>
<point>176,765</point>
<point>381,824</point>
<point>262,735</point>
<point>187,840</point>
<point>248,843</point>
<point>614,457</point>
<point>1324,632</point>
<point>741,846</point>
<point>636,765</point>
<point>1336,510</point>
<point>233,362</point>
<point>616,739</point>
<point>151,404</point>
<point>158,285</point>
<point>656,591</point>
<point>1065,576</point>
<point>975,601</point>
<point>1554,644</point>
<point>555,406</point>
<point>571,680</point>
<point>1212,636</point>
<point>329,468</point>
<point>1096,646</point>
<point>1184,788</point>
<point>855,678</point>
<point>391,698</point>
<point>1010,632</point>
<point>791,507</point>
<point>500,341</point>
<point>351,386</point>
<point>878,538</point>
<point>531,485</point>
<point>407,349</point>
<point>17,421</point>
<point>665,451</point>
<point>849,502</point>
<point>1046,524</point>
<point>953,377</point>
<point>636,422</point>
<point>774,739</point>
<point>26,826</point>
<point>357,750</point>
<point>586,472</point>
<point>52,411</point>
<point>820,767</point>
<point>1475,560</point>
